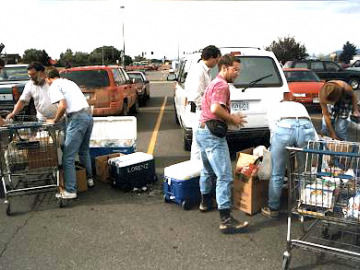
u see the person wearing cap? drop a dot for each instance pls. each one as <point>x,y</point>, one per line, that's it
<point>290,125</point>
<point>79,124</point>
<point>337,101</point>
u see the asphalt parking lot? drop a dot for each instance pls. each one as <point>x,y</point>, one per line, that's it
<point>106,228</point>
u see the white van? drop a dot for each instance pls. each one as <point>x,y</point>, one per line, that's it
<point>260,82</point>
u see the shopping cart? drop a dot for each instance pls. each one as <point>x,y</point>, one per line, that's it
<point>324,192</point>
<point>28,158</point>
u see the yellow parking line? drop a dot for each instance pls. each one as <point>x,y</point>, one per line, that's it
<point>156,129</point>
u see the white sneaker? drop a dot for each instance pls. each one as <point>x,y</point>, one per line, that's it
<point>90,182</point>
<point>66,195</point>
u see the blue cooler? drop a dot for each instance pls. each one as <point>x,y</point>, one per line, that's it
<point>113,134</point>
<point>132,171</point>
<point>181,183</point>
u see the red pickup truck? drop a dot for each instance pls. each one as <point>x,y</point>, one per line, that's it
<point>108,89</point>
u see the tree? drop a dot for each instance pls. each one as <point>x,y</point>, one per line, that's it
<point>66,59</point>
<point>105,55</point>
<point>128,60</point>
<point>348,52</point>
<point>41,56</point>
<point>286,49</point>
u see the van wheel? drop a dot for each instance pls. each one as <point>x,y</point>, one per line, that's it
<point>135,108</point>
<point>354,83</point>
<point>125,110</point>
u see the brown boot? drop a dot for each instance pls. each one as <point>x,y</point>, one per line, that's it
<point>229,224</point>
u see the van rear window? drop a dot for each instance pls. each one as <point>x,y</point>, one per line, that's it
<point>88,78</point>
<point>253,68</point>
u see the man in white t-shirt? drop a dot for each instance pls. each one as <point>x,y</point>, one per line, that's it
<point>38,89</point>
<point>198,78</point>
<point>79,124</point>
<point>290,125</point>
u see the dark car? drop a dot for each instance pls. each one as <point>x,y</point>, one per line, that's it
<point>328,70</point>
<point>12,82</point>
<point>142,85</point>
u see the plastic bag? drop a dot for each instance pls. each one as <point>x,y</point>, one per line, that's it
<point>264,172</point>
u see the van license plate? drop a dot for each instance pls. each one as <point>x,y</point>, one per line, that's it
<point>237,106</point>
<point>6,97</point>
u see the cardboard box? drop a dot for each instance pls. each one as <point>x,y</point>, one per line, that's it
<point>81,179</point>
<point>102,166</point>
<point>249,195</point>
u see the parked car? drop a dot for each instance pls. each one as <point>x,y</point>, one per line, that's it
<point>328,70</point>
<point>108,89</point>
<point>142,85</point>
<point>12,82</point>
<point>304,85</point>
<point>260,82</point>
<point>354,66</point>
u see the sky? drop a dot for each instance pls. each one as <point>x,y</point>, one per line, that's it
<point>170,28</point>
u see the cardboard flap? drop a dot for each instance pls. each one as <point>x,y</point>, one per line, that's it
<point>114,128</point>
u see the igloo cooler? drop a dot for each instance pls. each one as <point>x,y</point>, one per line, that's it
<point>134,170</point>
<point>181,183</point>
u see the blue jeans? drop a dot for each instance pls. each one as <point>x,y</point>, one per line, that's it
<point>289,132</point>
<point>340,126</point>
<point>77,140</point>
<point>215,156</point>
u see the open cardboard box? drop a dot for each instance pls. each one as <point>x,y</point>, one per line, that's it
<point>102,166</point>
<point>249,193</point>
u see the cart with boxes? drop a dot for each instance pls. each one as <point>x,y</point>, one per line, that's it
<point>28,159</point>
<point>324,187</point>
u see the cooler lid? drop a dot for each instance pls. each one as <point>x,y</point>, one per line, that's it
<point>184,170</point>
<point>130,159</point>
<point>114,128</point>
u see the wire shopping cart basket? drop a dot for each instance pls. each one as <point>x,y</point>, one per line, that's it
<point>28,158</point>
<point>324,187</point>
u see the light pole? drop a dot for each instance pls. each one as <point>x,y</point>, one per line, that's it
<point>123,36</point>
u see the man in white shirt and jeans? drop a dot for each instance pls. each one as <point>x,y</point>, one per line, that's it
<point>79,124</point>
<point>38,89</point>
<point>197,80</point>
<point>290,125</point>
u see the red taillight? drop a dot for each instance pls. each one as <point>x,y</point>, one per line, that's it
<point>16,93</point>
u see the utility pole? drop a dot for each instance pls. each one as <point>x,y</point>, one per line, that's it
<point>123,36</point>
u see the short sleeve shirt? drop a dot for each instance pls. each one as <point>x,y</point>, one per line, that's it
<point>68,90</point>
<point>197,80</point>
<point>216,92</point>
<point>40,93</point>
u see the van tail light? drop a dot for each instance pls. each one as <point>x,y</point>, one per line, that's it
<point>288,96</point>
<point>16,94</point>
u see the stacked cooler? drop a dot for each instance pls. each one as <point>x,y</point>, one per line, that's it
<point>132,171</point>
<point>181,183</point>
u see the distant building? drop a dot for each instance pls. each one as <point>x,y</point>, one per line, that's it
<point>12,58</point>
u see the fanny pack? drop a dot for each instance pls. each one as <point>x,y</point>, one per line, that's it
<point>217,127</point>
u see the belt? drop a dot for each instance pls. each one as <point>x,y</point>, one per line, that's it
<point>296,118</point>
<point>84,110</point>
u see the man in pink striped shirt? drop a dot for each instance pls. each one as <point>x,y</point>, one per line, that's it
<point>210,136</point>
